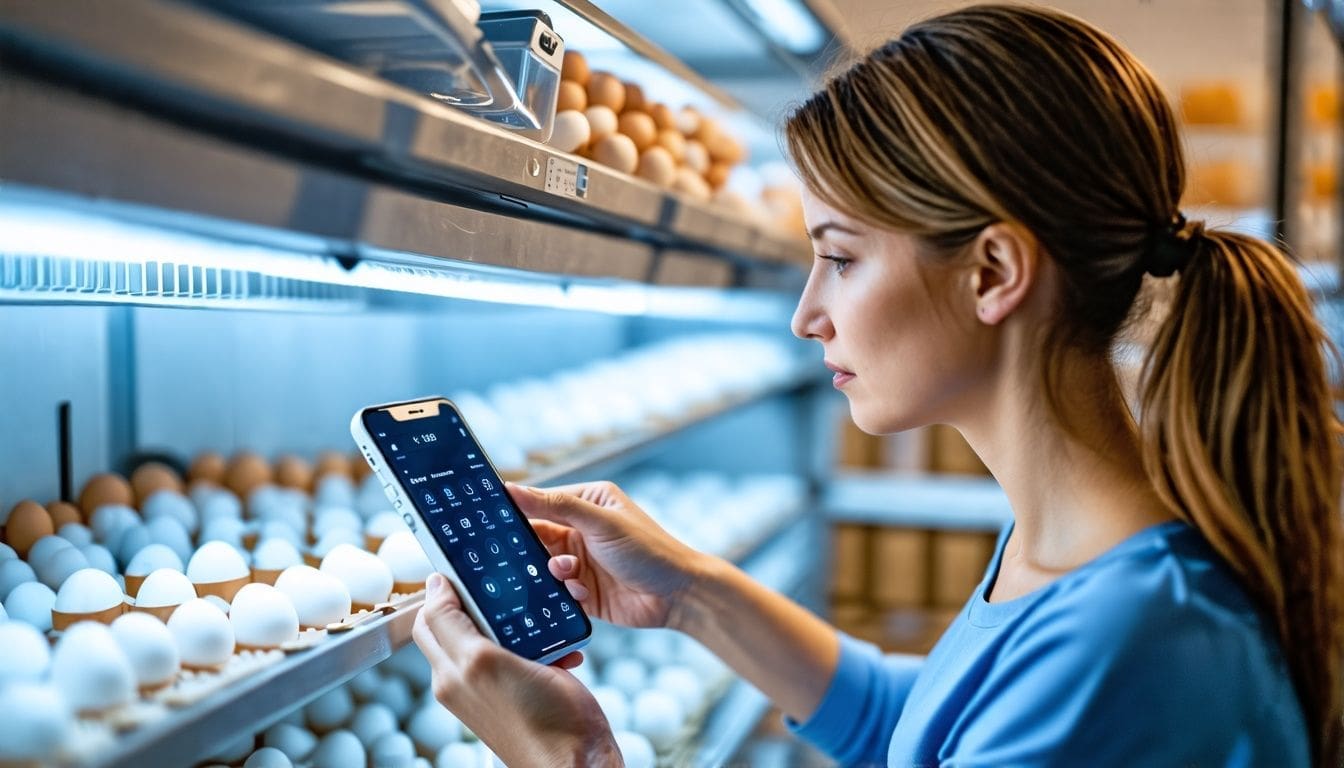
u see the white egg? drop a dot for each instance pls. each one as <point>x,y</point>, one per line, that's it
<point>226,529</point>
<point>393,750</point>
<point>170,503</point>
<point>335,491</point>
<point>268,757</point>
<point>327,519</point>
<point>108,520</point>
<point>34,723</point>
<point>457,755</point>
<point>368,578</point>
<point>152,558</point>
<point>330,710</point>
<point>411,665</point>
<point>626,674</point>
<point>202,632</point>
<point>60,566</point>
<point>339,749</point>
<point>7,552</point>
<point>422,762</point>
<point>89,669</point>
<point>570,131</point>
<point>276,529</point>
<point>3,616</point>
<point>654,646</point>
<point>12,574</point>
<point>170,531</point>
<point>164,587</point>
<point>216,504</point>
<point>216,561</point>
<point>371,721</point>
<point>88,590</point>
<point>76,533</point>
<point>275,555</point>
<point>319,598</point>
<point>657,715</point>
<point>45,548</point>
<point>615,705</point>
<point>335,538</point>
<point>263,617</point>
<point>26,656</point>
<point>295,741</point>
<point>149,646</point>
<point>31,602</point>
<point>218,602</point>
<point>405,558</point>
<point>601,121</point>
<point>131,541</point>
<point>384,524</point>
<point>433,727</point>
<point>98,557</point>
<point>684,685</point>
<point>395,694</point>
<point>636,750</point>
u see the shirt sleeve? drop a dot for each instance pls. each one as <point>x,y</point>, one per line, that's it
<point>855,719</point>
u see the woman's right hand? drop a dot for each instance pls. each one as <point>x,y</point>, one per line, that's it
<point>618,563</point>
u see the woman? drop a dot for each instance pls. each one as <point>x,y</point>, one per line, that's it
<point>986,194</point>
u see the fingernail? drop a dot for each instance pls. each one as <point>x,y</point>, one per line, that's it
<point>568,563</point>
<point>434,583</point>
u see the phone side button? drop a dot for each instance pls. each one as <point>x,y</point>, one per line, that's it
<point>390,492</point>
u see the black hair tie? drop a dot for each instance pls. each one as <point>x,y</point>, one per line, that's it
<point>1171,246</point>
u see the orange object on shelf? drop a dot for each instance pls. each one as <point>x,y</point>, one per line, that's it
<point>1323,105</point>
<point>1322,182</point>
<point>1227,183</point>
<point>1212,104</point>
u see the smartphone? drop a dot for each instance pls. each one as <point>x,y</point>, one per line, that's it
<point>438,478</point>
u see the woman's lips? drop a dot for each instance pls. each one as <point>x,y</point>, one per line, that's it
<point>841,378</point>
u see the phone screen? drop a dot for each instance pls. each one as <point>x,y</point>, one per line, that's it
<point>489,543</point>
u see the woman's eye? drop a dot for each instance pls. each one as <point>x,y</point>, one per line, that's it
<point>838,263</point>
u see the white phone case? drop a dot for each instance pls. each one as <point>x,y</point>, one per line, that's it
<point>402,505</point>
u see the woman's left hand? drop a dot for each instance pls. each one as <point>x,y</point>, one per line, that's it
<point>529,714</point>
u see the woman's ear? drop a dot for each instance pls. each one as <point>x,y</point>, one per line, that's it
<point>1005,263</point>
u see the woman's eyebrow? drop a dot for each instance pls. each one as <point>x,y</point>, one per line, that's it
<point>816,232</point>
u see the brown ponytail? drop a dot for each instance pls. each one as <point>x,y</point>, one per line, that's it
<point>1029,115</point>
<point>1241,439</point>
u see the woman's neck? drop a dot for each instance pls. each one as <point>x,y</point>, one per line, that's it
<point>1071,469</point>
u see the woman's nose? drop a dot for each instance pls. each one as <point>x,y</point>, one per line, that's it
<point>810,321</point>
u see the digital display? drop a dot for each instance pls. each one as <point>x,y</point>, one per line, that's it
<point>489,543</point>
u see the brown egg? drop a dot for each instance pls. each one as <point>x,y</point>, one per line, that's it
<point>657,166</point>
<point>106,488</point>
<point>697,157</point>
<point>663,116</point>
<point>634,98</point>
<point>602,122</point>
<point>617,151</point>
<point>333,463</point>
<point>571,96</point>
<point>245,472</point>
<point>606,89</point>
<point>294,472</point>
<point>725,149</point>
<point>27,523</point>
<point>207,466</point>
<point>639,127</point>
<point>571,131</point>
<point>575,68</point>
<point>63,512</point>
<point>717,175</point>
<point>675,144</point>
<point>359,467</point>
<point>691,184</point>
<point>707,132</point>
<point>154,476</point>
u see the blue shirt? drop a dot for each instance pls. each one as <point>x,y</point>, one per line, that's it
<point>1150,655</point>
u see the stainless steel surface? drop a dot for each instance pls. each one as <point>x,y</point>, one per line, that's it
<point>917,501</point>
<point>282,136</point>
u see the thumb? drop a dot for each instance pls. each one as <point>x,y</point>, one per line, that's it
<point>561,508</point>
<point>443,614</point>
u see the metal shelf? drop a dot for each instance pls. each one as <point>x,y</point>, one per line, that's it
<point>917,501</point>
<point>253,703</point>
<point>164,104</point>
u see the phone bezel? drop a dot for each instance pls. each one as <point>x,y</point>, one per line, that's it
<point>381,465</point>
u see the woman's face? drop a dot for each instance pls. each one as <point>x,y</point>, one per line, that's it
<point>899,329</point>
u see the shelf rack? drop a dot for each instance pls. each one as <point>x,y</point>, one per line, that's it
<point>774,557</point>
<point>169,106</point>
